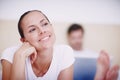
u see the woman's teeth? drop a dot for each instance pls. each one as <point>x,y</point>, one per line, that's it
<point>45,38</point>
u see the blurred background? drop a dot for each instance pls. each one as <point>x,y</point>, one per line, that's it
<point>100,19</point>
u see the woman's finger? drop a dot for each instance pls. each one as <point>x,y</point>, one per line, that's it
<point>33,57</point>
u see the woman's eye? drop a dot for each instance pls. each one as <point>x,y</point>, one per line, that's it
<point>32,30</point>
<point>45,24</point>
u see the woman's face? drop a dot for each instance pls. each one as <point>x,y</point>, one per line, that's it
<point>38,31</point>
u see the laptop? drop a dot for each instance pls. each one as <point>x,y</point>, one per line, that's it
<point>85,66</point>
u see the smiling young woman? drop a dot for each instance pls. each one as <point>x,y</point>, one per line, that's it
<point>37,58</point>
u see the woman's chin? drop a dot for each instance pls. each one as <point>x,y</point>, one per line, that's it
<point>44,47</point>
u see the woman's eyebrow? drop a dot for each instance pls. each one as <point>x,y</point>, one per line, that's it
<point>42,20</point>
<point>31,26</point>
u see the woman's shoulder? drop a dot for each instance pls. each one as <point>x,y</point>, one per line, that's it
<point>63,47</point>
<point>64,53</point>
<point>8,53</point>
<point>11,49</point>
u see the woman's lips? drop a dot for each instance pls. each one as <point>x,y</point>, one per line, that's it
<point>45,38</point>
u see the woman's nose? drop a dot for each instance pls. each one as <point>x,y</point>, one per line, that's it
<point>41,31</point>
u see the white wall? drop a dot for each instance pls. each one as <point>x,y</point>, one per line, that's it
<point>83,11</point>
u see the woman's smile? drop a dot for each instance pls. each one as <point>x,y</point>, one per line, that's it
<point>45,38</point>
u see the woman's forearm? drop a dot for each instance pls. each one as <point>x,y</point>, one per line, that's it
<point>18,68</point>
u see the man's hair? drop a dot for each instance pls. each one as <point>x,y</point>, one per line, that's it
<point>75,27</point>
<point>21,18</point>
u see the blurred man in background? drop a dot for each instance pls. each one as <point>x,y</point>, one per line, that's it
<point>76,38</point>
<point>75,35</point>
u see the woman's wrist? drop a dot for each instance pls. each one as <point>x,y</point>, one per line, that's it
<point>19,55</point>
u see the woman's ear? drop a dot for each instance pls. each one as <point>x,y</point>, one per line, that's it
<point>22,39</point>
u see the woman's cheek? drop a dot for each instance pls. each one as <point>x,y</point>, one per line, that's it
<point>32,38</point>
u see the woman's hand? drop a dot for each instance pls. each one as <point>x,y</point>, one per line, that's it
<point>26,50</point>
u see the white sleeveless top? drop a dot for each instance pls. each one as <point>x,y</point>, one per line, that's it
<point>62,58</point>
